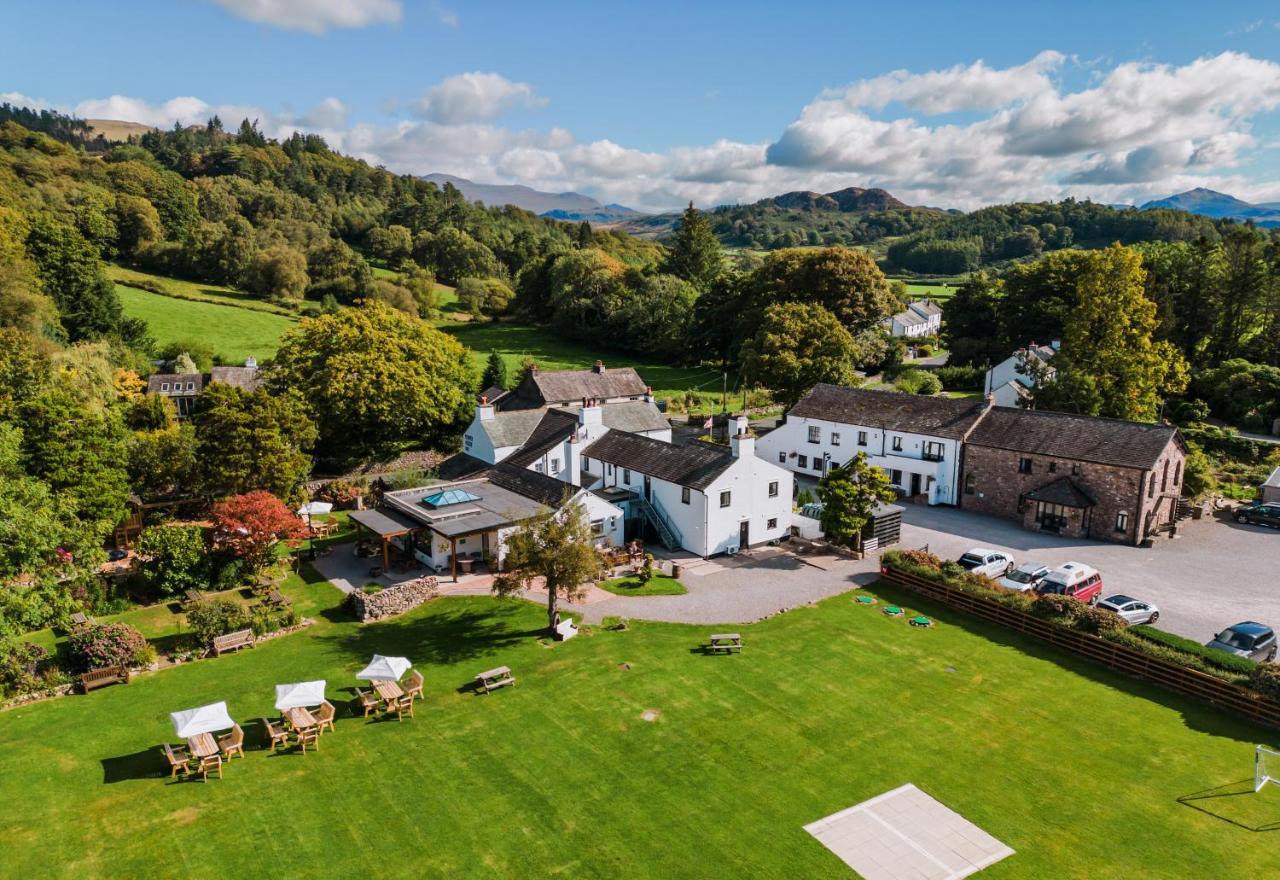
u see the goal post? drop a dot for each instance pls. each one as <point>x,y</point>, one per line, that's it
<point>1266,767</point>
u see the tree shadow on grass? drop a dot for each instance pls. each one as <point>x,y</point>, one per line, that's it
<point>1235,803</point>
<point>146,764</point>
<point>1196,715</point>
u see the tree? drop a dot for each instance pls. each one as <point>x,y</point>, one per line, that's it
<point>845,281</point>
<point>695,253</point>
<point>173,558</point>
<point>557,548</point>
<point>484,296</point>
<point>973,326</point>
<point>849,494</point>
<point>249,526</point>
<point>798,346</point>
<point>278,272</point>
<point>655,317</point>
<point>495,372</point>
<point>68,266</point>
<point>249,440</point>
<point>373,377</point>
<point>183,365</point>
<point>1198,479</point>
<point>456,255</point>
<point>1244,285</point>
<point>22,301</point>
<point>137,224</point>
<point>1108,346</point>
<point>394,244</point>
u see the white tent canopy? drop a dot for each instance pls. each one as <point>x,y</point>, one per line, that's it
<point>314,508</point>
<point>203,719</point>
<point>298,694</point>
<point>385,668</point>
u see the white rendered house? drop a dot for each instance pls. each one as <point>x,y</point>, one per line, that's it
<point>915,439</point>
<point>920,318</point>
<point>1010,381</point>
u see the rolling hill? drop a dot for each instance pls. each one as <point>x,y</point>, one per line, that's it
<point>1210,203</point>
<point>570,206</point>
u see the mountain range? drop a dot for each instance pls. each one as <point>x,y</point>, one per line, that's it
<point>559,206</point>
<point>1210,203</point>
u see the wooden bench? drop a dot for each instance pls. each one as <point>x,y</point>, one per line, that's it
<point>79,619</point>
<point>494,679</point>
<point>232,641</point>
<point>191,597</point>
<point>277,599</point>
<point>96,678</point>
<point>724,643</point>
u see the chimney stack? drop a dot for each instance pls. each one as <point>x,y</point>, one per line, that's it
<point>251,362</point>
<point>590,413</point>
<point>598,367</point>
<point>742,443</point>
<point>484,409</point>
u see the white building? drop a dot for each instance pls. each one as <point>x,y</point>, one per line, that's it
<point>1010,381</point>
<point>914,438</point>
<point>702,497</point>
<point>920,318</point>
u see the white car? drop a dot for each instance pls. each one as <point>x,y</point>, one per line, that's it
<point>984,560</point>
<point>1132,610</point>
<point>1024,577</point>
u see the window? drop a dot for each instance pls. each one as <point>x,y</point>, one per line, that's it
<point>1051,516</point>
<point>933,450</point>
<point>1151,487</point>
<point>191,386</point>
<point>817,464</point>
<point>684,494</point>
<point>537,468</point>
<point>1024,465</point>
<point>1075,470</point>
<point>970,483</point>
<point>835,438</point>
<point>1164,477</point>
<point>555,465</point>
<point>611,470</point>
<point>862,438</point>
<point>1122,521</point>
<point>802,461</point>
<point>897,444</point>
<point>586,463</point>
<point>164,386</point>
<point>597,527</point>
<point>1177,475</point>
<point>724,499</point>
<point>772,523</point>
<point>782,458</point>
<point>466,442</point>
<point>626,476</point>
<point>815,434</point>
<point>773,489</point>
<point>1053,467</point>
<point>895,477</point>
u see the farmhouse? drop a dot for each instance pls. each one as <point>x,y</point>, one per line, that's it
<point>916,439</point>
<point>562,387</point>
<point>1072,475</point>
<point>1010,381</point>
<point>184,388</point>
<point>920,318</point>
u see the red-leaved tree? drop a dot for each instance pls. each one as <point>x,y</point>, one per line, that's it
<point>249,526</point>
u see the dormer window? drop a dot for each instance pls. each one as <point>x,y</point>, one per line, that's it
<point>164,386</point>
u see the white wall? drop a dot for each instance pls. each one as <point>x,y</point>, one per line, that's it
<point>784,445</point>
<point>747,481</point>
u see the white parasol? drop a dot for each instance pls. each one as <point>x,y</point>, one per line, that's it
<point>298,694</point>
<point>314,508</point>
<point>203,719</point>
<point>385,668</point>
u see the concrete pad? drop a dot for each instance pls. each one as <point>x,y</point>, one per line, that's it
<point>905,834</point>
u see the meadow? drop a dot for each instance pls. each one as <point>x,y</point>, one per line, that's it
<point>233,331</point>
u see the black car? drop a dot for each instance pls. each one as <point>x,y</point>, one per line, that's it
<point>1261,514</point>
<point>1249,639</point>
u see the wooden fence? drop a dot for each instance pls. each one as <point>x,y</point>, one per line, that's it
<point>1165,673</point>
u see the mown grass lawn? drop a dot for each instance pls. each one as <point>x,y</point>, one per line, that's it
<point>1078,770</point>
<point>234,332</point>
<point>658,585</point>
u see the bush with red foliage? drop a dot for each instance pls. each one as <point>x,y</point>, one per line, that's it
<point>249,526</point>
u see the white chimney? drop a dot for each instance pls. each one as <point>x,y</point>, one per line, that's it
<point>590,413</point>
<point>484,409</point>
<point>742,443</point>
<point>1056,344</point>
<point>598,367</point>
<point>251,362</point>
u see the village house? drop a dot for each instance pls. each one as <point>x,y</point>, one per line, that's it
<point>1011,381</point>
<point>1076,476</point>
<point>920,318</point>
<point>915,439</point>
<point>184,388</point>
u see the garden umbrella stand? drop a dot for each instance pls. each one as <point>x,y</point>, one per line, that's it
<point>299,694</point>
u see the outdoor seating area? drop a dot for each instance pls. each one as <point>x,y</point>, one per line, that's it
<point>724,643</point>
<point>493,679</point>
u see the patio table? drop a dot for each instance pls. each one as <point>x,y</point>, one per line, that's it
<point>299,718</point>
<point>388,690</point>
<point>465,564</point>
<point>203,745</point>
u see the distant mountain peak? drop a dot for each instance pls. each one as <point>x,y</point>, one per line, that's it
<point>850,200</point>
<point>1222,206</point>
<point>570,205</point>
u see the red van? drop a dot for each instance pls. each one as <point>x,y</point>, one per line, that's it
<point>1074,579</point>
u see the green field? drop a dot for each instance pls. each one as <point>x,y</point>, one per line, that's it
<point>194,291</point>
<point>939,292</point>
<point>1079,771</point>
<point>232,331</point>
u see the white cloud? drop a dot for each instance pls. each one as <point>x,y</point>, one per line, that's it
<point>444,15</point>
<point>474,97</point>
<point>328,114</point>
<point>316,16</point>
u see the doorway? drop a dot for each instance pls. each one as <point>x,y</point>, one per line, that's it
<point>744,534</point>
<point>648,489</point>
<point>915,485</point>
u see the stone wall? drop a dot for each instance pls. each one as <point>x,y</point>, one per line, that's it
<point>992,483</point>
<point>394,600</point>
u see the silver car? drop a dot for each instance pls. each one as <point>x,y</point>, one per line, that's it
<point>1024,577</point>
<point>984,560</point>
<point>1131,609</point>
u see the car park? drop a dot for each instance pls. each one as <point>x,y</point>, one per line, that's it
<point>984,560</point>
<point>1130,609</point>
<point>1259,514</point>
<point>1024,577</point>
<point>1074,579</point>
<point>1249,639</point>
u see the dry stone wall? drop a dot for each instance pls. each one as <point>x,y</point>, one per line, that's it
<point>394,600</point>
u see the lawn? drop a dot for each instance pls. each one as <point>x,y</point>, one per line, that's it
<point>1077,770</point>
<point>938,292</point>
<point>659,585</point>
<point>197,291</point>
<point>234,332</point>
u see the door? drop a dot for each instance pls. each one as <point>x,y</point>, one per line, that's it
<point>744,534</point>
<point>915,484</point>
<point>647,489</point>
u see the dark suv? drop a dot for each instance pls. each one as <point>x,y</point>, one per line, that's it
<point>1252,640</point>
<point>1267,514</point>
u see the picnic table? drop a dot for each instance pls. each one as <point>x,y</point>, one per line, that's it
<point>277,598</point>
<point>725,643</point>
<point>493,679</point>
<point>203,745</point>
<point>390,691</point>
<point>194,596</point>
<point>299,717</point>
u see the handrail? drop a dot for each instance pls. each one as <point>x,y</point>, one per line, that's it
<point>666,520</point>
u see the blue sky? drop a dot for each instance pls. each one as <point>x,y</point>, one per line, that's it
<point>655,103</point>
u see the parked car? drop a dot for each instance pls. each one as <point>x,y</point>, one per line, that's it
<point>983,560</point>
<point>1259,514</point>
<point>117,555</point>
<point>1132,610</point>
<point>1074,579</point>
<point>1248,639</point>
<point>1024,577</point>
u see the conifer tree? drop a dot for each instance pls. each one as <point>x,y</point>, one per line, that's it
<point>695,251</point>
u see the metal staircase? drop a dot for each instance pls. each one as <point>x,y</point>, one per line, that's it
<point>662,524</point>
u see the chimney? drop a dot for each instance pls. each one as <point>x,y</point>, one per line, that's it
<point>251,362</point>
<point>484,409</point>
<point>598,367</point>
<point>988,401</point>
<point>742,443</point>
<point>590,413</point>
<point>648,394</point>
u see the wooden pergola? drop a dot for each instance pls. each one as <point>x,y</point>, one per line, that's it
<point>385,525</point>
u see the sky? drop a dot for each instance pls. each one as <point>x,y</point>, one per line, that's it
<point>654,104</point>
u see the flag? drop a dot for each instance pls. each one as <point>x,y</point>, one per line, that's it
<point>706,426</point>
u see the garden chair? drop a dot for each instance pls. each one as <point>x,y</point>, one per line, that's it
<point>402,707</point>
<point>368,701</point>
<point>324,716</point>
<point>414,690</point>
<point>232,743</point>
<point>207,763</point>
<point>308,736</point>
<point>278,734</point>
<point>179,760</point>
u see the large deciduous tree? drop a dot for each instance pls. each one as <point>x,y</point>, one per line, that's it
<point>695,253</point>
<point>797,346</point>
<point>373,377</point>
<point>845,281</point>
<point>849,494</point>
<point>252,440</point>
<point>556,549</point>
<point>173,558</point>
<point>68,265</point>
<point>250,526</point>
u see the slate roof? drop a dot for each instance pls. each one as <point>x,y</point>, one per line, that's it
<point>1078,438</point>
<point>241,377</point>
<point>460,465</point>
<point>907,317</point>
<point>553,429</point>
<point>1273,481</point>
<point>695,465</point>
<point>158,380</point>
<point>385,521</point>
<point>635,416</point>
<point>247,378</point>
<point>511,427</point>
<point>537,487</point>
<point>915,413</point>
<point>503,496</point>
<point>571,386</point>
<point>1064,491</point>
<point>925,307</point>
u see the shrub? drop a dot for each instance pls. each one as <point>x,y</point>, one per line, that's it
<point>645,574</point>
<point>341,493</point>
<point>20,667</point>
<point>917,382</point>
<point>961,378</point>
<point>216,617</point>
<point>109,644</point>
<point>173,558</point>
<point>230,572</point>
<point>1265,679</point>
<point>1215,659</point>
